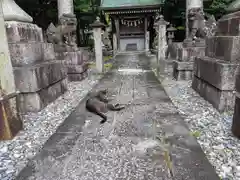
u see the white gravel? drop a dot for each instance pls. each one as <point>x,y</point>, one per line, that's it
<point>214,129</point>
<point>38,127</point>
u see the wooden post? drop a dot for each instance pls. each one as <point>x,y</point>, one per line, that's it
<point>10,122</point>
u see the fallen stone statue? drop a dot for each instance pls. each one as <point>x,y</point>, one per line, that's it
<point>98,104</point>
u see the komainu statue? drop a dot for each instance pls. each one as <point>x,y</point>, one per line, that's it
<point>65,32</point>
<point>53,34</point>
<point>196,24</point>
<point>199,28</point>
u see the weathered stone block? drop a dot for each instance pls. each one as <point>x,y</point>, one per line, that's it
<point>77,77</point>
<point>23,32</point>
<point>166,66</point>
<point>25,53</point>
<point>236,118</point>
<point>218,73</point>
<point>71,69</point>
<point>189,53</point>
<point>221,100</point>
<point>173,50</point>
<point>48,51</point>
<point>183,65</point>
<point>224,47</point>
<point>228,25</point>
<point>74,58</point>
<point>182,70</point>
<point>62,48</point>
<point>34,102</point>
<point>182,54</point>
<point>182,75</point>
<point>30,53</point>
<point>33,78</point>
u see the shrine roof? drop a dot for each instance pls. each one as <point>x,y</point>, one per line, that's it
<point>123,4</point>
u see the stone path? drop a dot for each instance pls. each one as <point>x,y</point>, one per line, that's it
<point>148,140</point>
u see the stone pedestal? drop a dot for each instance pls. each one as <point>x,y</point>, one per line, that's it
<point>75,62</point>
<point>214,74</point>
<point>73,58</point>
<point>183,66</point>
<point>39,77</point>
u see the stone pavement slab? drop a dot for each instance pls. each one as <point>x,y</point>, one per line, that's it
<point>148,140</point>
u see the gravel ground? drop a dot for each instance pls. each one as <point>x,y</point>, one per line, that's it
<point>38,127</point>
<point>212,130</point>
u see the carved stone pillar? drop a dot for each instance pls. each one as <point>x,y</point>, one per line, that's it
<point>190,4</point>
<point>65,7</point>
<point>97,29</point>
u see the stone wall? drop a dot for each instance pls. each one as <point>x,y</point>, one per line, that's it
<point>38,75</point>
<point>214,74</point>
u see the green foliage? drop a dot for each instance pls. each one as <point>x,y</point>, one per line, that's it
<point>42,11</point>
<point>86,5</point>
<point>218,7</point>
<point>82,5</point>
<point>196,134</point>
<point>180,28</point>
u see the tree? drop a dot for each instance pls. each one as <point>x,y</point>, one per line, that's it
<point>217,8</point>
<point>43,12</point>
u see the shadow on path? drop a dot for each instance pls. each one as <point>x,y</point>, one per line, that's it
<point>148,140</point>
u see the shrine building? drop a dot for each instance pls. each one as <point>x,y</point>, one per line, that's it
<point>132,21</point>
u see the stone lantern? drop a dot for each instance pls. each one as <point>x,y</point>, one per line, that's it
<point>171,30</point>
<point>97,34</point>
<point>162,40</point>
